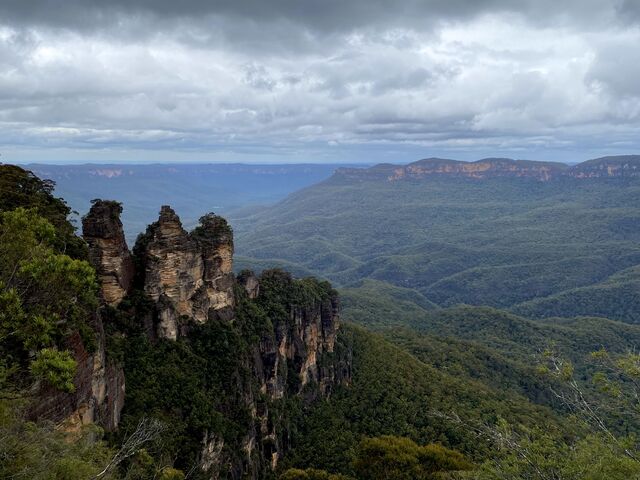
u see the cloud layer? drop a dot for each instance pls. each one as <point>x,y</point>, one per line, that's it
<point>318,81</point>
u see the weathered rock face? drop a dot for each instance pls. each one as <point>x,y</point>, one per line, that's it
<point>99,382</point>
<point>294,357</point>
<point>250,283</point>
<point>295,348</point>
<point>188,275</point>
<point>99,394</point>
<point>623,166</point>
<point>108,252</point>
<point>607,167</point>
<point>487,168</point>
<point>439,167</point>
<point>188,278</point>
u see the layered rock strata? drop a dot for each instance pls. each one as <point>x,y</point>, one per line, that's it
<point>188,275</point>
<point>623,166</point>
<point>188,278</point>
<point>108,252</point>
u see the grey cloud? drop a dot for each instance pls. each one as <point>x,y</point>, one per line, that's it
<point>629,10</point>
<point>617,68</point>
<point>287,76</point>
<point>327,16</point>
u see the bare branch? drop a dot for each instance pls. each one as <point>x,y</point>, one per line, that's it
<point>148,430</point>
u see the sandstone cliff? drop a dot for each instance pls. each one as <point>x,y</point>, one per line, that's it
<point>607,167</point>
<point>108,252</point>
<point>188,275</point>
<point>99,381</point>
<point>100,389</point>
<point>623,166</point>
<point>99,394</point>
<point>187,279</point>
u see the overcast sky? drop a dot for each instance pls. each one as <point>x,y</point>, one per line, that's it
<point>321,81</point>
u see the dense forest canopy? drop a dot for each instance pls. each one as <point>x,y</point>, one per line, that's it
<point>476,391</point>
<point>556,248</point>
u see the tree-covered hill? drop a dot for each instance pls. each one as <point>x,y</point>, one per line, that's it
<point>429,390</point>
<point>562,247</point>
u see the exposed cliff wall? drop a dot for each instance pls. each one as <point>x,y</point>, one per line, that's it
<point>249,345</point>
<point>297,341</point>
<point>99,389</point>
<point>487,168</point>
<point>108,251</point>
<point>623,166</point>
<point>293,356</point>
<point>99,382</point>
<point>606,167</point>
<point>188,275</point>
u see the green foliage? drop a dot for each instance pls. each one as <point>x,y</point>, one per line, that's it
<point>56,368</point>
<point>169,473</point>
<point>493,346</point>
<point>38,451</point>
<point>545,249</point>
<point>199,384</point>
<point>20,188</point>
<point>395,458</point>
<point>311,474</point>
<point>213,230</point>
<point>541,456</point>
<point>617,296</point>
<point>393,393</point>
<point>45,297</point>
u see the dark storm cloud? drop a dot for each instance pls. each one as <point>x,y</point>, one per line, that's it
<point>291,76</point>
<point>319,16</point>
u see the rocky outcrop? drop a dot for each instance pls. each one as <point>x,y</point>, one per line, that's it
<point>296,357</point>
<point>606,167</point>
<point>250,283</point>
<point>99,389</point>
<point>487,168</point>
<point>108,252</point>
<point>188,275</point>
<point>295,347</point>
<point>187,278</point>
<point>99,382</point>
<point>623,166</point>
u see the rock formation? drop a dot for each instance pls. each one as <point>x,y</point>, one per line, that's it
<point>108,252</point>
<point>297,342</point>
<point>188,279</point>
<point>287,360</point>
<point>99,382</point>
<point>188,275</point>
<point>622,166</point>
<point>606,167</point>
<point>249,281</point>
<point>99,394</point>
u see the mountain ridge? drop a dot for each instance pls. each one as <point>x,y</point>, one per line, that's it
<point>603,167</point>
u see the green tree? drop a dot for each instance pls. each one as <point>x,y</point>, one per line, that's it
<point>21,188</point>
<point>311,474</point>
<point>397,458</point>
<point>45,296</point>
<point>39,451</point>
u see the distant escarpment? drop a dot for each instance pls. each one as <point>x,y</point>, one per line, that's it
<point>214,355</point>
<point>605,167</point>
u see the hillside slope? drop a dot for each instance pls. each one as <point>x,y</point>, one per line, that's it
<point>502,240</point>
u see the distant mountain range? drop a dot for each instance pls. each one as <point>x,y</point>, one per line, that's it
<point>190,188</point>
<point>619,166</point>
<point>541,239</point>
<point>270,374</point>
